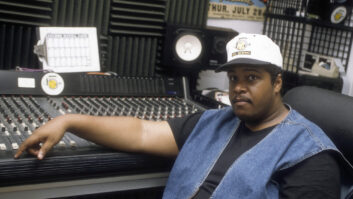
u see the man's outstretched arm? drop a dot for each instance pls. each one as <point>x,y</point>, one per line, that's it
<point>121,133</point>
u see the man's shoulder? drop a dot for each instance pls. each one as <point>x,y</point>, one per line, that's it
<point>302,125</point>
<point>296,118</point>
<point>218,117</point>
<point>222,111</point>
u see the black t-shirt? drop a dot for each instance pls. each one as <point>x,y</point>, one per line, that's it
<point>316,177</point>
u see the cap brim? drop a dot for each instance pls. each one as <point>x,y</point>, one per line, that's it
<point>240,61</point>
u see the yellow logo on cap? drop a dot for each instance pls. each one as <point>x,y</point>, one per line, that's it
<point>241,44</point>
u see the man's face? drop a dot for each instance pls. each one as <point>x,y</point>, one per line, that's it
<point>251,92</point>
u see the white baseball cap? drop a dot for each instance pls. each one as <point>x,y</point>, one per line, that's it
<point>253,49</point>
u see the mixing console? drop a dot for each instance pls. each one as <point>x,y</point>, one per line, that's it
<point>21,115</point>
<point>73,157</point>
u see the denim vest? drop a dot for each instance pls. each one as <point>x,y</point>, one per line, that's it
<point>250,176</point>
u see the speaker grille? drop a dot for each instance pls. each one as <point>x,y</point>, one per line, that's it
<point>16,47</point>
<point>186,12</point>
<point>26,12</point>
<point>144,18</point>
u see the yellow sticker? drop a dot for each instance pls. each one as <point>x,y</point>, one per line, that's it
<point>52,84</point>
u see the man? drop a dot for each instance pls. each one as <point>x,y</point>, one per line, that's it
<point>258,148</point>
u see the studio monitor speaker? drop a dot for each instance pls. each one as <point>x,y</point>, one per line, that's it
<point>189,50</point>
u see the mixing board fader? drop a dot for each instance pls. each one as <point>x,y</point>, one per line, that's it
<point>20,116</point>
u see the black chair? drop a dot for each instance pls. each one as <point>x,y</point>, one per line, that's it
<point>333,112</point>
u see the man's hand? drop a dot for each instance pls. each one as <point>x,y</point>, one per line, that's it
<point>43,138</point>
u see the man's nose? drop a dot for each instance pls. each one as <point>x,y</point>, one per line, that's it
<point>239,87</point>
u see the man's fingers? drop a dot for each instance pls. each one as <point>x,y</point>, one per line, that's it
<point>30,143</point>
<point>33,150</point>
<point>44,149</point>
<point>18,152</point>
<point>22,148</point>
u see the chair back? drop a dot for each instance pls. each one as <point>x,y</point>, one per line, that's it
<point>333,113</point>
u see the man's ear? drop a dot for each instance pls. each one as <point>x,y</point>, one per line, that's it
<point>278,83</point>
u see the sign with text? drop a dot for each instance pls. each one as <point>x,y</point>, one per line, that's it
<point>237,9</point>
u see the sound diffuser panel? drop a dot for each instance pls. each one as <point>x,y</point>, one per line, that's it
<point>103,52</point>
<point>143,18</point>
<point>26,12</point>
<point>16,47</point>
<point>186,12</point>
<point>133,56</point>
<point>82,13</point>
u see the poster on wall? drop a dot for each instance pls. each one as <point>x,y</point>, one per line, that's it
<point>237,9</point>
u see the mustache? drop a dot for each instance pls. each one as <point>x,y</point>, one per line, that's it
<point>240,99</point>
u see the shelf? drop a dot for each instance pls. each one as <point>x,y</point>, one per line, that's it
<point>297,35</point>
<point>311,21</point>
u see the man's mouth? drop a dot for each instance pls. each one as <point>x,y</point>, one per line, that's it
<point>241,100</point>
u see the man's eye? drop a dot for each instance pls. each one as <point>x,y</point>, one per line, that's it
<point>232,78</point>
<point>252,77</point>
